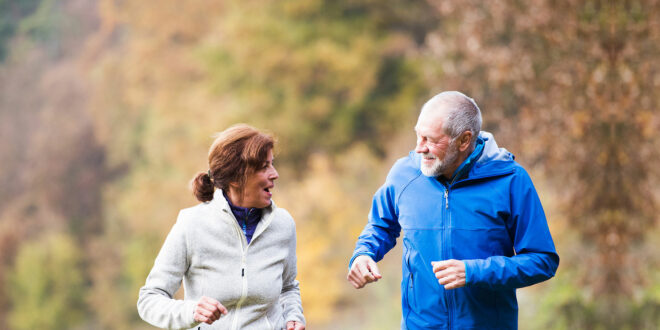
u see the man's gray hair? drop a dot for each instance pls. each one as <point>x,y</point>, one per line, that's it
<point>462,114</point>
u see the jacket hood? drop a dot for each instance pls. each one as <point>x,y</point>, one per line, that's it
<point>493,160</point>
<point>491,151</point>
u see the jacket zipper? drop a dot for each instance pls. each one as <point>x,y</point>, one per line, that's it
<point>243,292</point>
<point>448,294</point>
<point>244,247</point>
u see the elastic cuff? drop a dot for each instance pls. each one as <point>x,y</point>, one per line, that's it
<point>371,255</point>
<point>189,312</point>
<point>469,271</point>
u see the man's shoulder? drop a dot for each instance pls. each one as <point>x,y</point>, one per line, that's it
<point>404,170</point>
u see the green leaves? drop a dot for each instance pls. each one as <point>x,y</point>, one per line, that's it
<point>46,284</point>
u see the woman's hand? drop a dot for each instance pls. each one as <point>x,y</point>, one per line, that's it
<point>209,310</point>
<point>293,325</point>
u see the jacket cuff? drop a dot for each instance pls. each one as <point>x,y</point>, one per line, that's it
<point>471,268</point>
<point>189,312</point>
<point>371,255</point>
<point>295,317</point>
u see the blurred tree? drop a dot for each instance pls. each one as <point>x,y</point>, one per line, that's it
<point>568,86</point>
<point>46,284</point>
<point>326,74</point>
<point>11,14</point>
<point>52,166</point>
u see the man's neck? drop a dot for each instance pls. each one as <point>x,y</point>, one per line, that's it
<point>461,158</point>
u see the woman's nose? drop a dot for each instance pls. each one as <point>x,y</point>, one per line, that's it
<point>273,174</point>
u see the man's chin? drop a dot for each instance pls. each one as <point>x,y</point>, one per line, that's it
<point>431,172</point>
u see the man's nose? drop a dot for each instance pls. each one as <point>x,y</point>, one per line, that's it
<point>421,148</point>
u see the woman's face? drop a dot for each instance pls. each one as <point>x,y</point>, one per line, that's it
<point>257,190</point>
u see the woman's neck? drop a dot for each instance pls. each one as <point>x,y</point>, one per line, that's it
<point>232,195</point>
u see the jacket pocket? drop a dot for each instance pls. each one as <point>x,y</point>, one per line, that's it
<point>410,285</point>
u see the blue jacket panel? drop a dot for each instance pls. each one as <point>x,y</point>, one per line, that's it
<point>490,217</point>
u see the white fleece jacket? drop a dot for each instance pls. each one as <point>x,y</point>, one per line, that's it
<point>256,282</point>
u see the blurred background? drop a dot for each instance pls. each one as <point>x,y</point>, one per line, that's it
<point>107,108</point>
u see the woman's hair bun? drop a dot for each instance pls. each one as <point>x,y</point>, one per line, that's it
<point>202,187</point>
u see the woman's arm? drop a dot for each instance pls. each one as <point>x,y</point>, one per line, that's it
<point>290,296</point>
<point>155,303</point>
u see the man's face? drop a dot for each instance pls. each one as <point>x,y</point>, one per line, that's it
<point>438,153</point>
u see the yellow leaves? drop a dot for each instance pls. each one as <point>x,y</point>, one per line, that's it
<point>330,209</point>
<point>578,122</point>
<point>647,122</point>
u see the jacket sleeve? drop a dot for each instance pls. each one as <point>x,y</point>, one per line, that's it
<point>535,258</point>
<point>155,303</point>
<point>290,296</point>
<point>380,234</point>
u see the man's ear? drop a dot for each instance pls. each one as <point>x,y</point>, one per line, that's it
<point>464,140</point>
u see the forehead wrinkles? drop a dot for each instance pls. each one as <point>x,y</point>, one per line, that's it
<point>430,124</point>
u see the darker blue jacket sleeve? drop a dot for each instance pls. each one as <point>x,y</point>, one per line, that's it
<point>535,258</point>
<point>380,233</point>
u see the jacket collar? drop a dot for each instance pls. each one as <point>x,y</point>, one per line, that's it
<point>486,160</point>
<point>220,204</point>
<point>469,162</point>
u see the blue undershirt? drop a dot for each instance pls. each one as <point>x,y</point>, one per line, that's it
<point>247,218</point>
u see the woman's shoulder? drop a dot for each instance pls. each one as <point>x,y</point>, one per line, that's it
<point>283,218</point>
<point>196,214</point>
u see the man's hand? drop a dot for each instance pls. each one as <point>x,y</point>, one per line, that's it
<point>209,310</point>
<point>294,325</point>
<point>363,271</point>
<point>450,273</point>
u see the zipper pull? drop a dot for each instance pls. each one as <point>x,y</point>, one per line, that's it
<point>446,198</point>
<point>242,272</point>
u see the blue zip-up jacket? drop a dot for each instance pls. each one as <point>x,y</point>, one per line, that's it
<point>489,216</point>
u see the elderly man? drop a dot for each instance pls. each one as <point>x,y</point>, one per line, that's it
<point>474,228</point>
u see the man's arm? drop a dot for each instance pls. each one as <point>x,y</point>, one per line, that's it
<point>377,238</point>
<point>536,259</point>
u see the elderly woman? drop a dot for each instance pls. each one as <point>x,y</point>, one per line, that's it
<point>235,251</point>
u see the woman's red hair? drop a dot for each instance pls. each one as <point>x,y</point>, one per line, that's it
<point>236,153</point>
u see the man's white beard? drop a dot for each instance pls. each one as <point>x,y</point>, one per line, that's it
<point>439,166</point>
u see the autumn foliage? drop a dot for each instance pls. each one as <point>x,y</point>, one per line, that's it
<point>107,110</point>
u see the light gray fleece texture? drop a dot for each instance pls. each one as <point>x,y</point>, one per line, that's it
<point>207,249</point>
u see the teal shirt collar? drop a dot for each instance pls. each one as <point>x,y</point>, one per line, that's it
<point>469,162</point>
